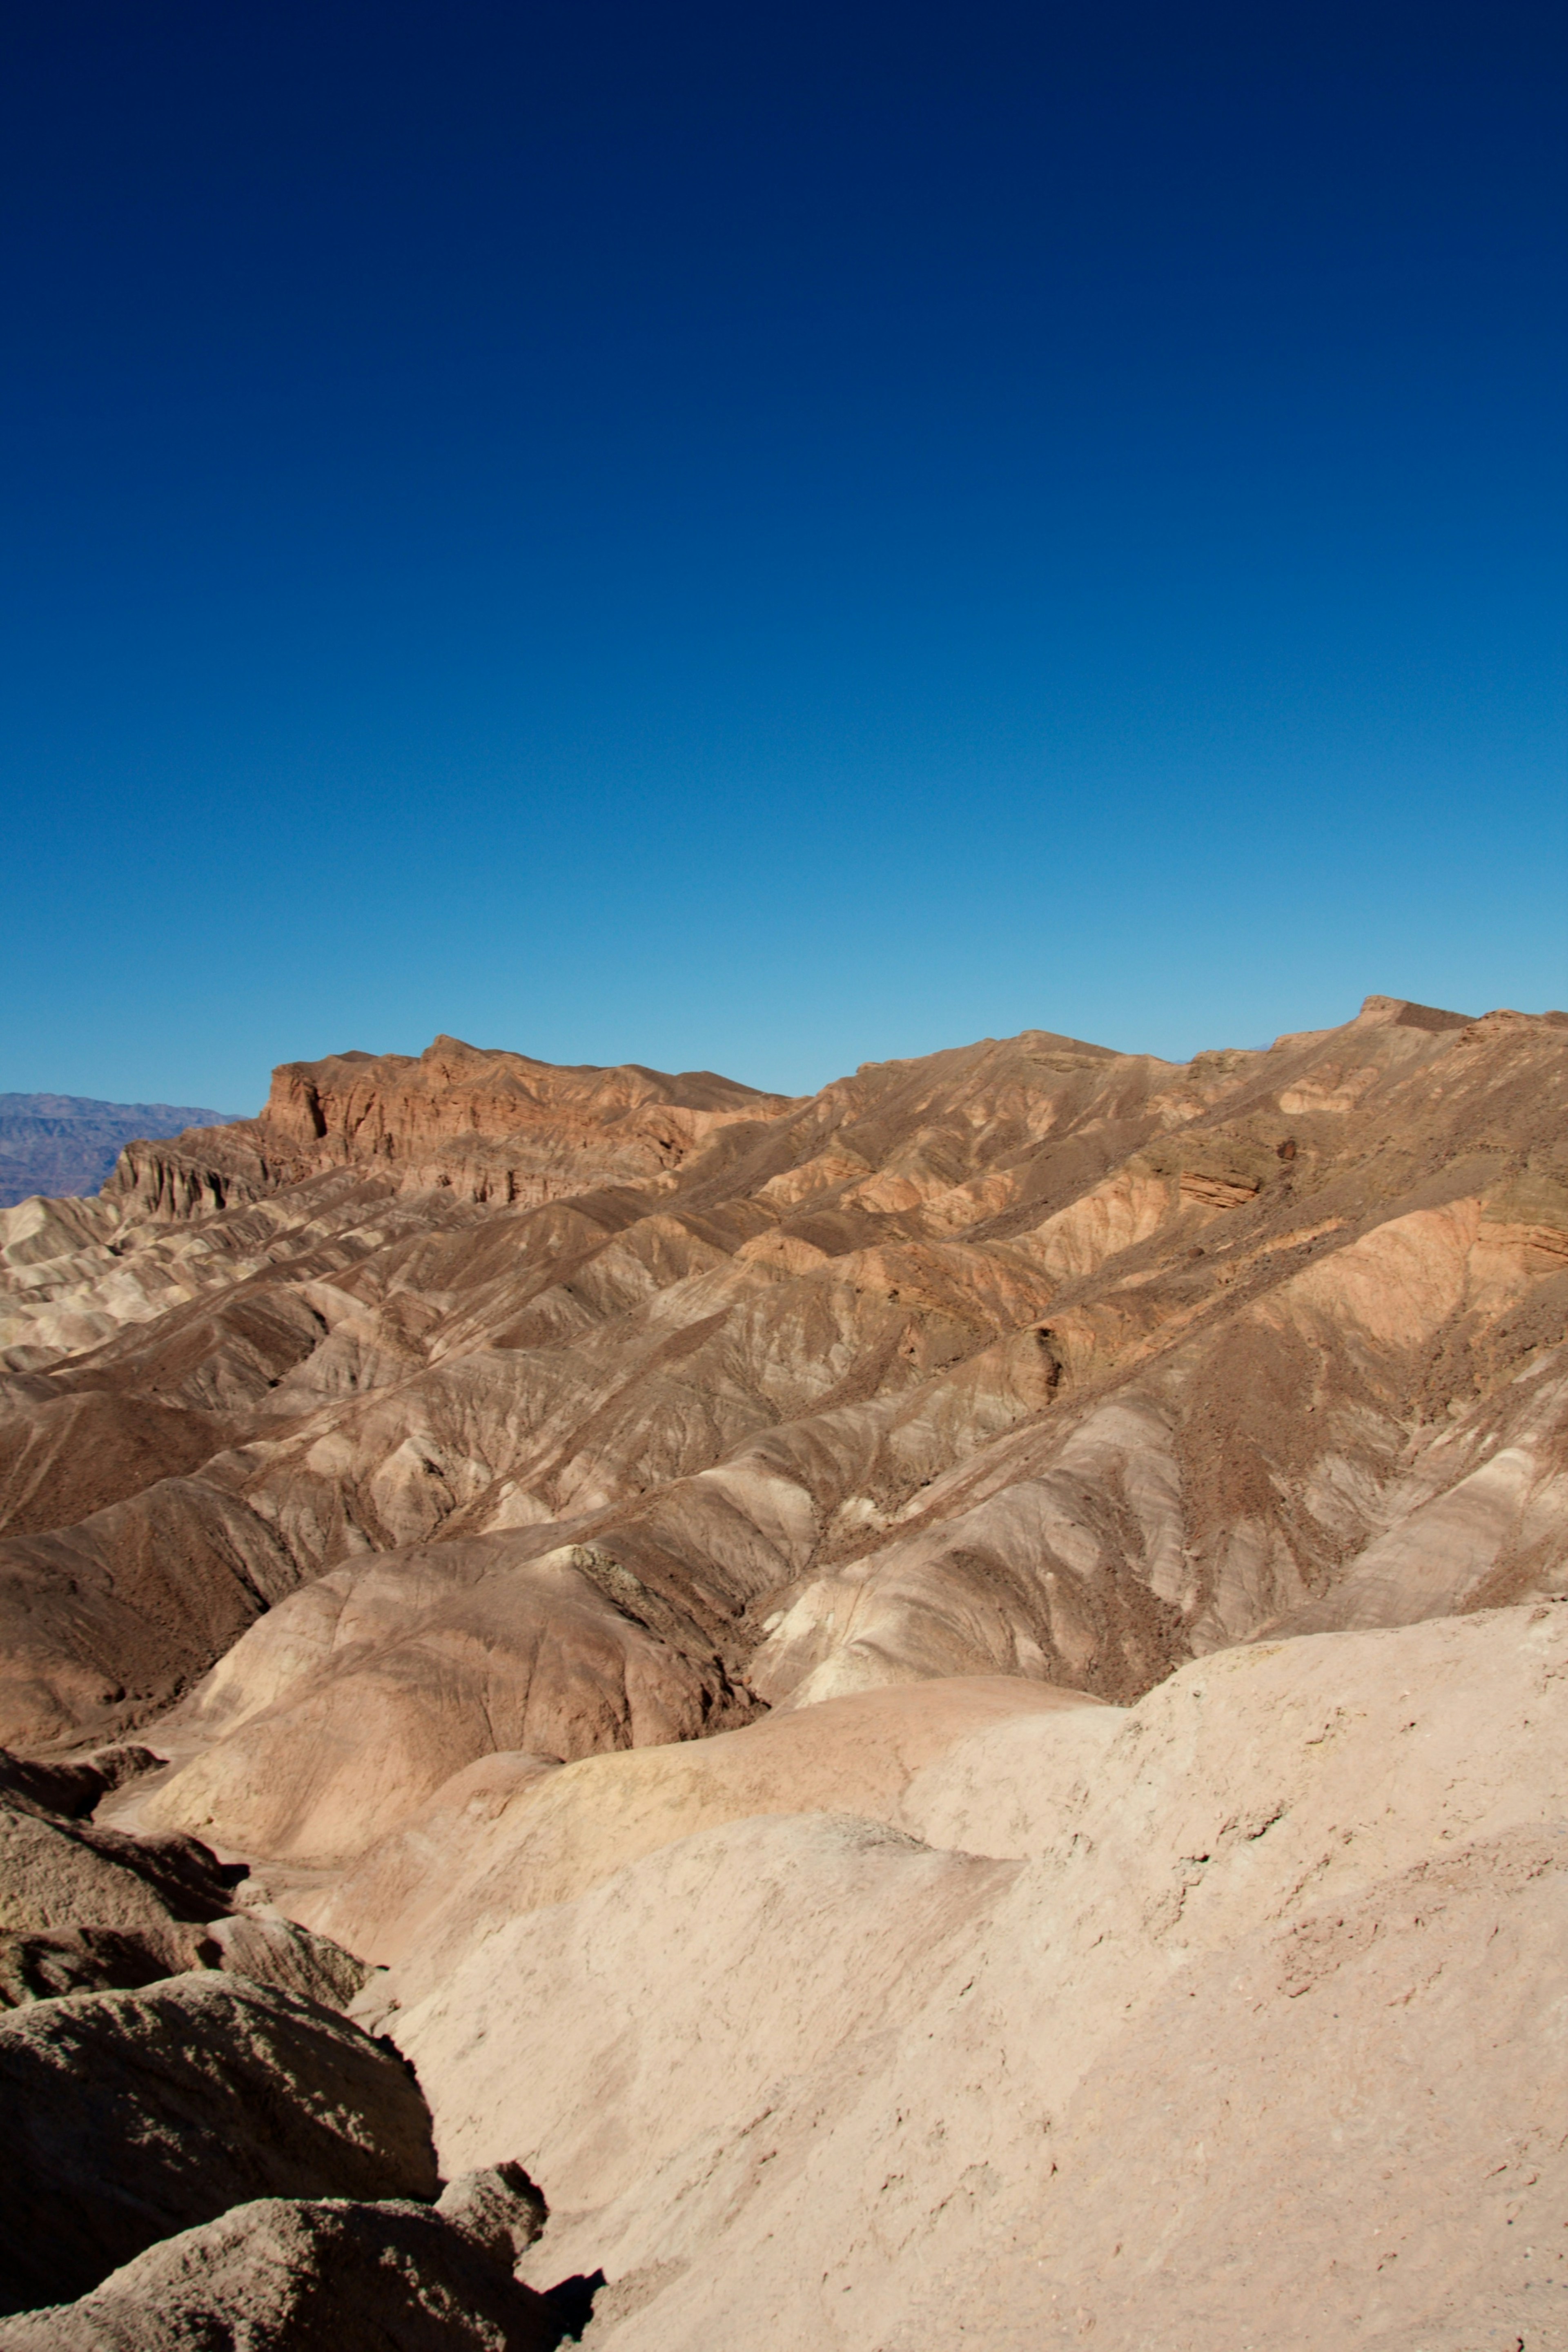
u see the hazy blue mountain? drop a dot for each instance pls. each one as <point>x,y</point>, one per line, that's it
<point>65,1144</point>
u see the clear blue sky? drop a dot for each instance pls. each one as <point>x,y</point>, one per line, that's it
<point>773,537</point>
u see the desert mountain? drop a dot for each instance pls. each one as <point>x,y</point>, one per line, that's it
<point>637,1401</point>
<point>926,1616</point>
<point>69,1143</point>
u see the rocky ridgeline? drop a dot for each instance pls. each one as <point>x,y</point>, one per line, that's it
<point>488,1126</point>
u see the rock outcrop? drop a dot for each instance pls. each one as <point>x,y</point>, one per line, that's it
<point>489,1126</point>
<point>132,2116</point>
<point>318,2275</point>
<point>85,1907</point>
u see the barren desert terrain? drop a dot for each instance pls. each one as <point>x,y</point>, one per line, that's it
<point>933,1715</point>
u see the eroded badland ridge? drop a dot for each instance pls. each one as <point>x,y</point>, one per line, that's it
<point>941,1619</point>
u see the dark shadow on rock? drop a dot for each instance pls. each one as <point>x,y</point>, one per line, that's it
<point>571,2304</point>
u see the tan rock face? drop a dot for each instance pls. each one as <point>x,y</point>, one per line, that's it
<point>512,1834</point>
<point>1260,2043</point>
<point>442,1659</point>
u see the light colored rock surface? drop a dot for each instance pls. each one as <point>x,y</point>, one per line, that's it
<point>134,2115</point>
<point>506,1837</point>
<point>393,1676</point>
<point>1006,1789</point>
<point>1337,2132</point>
<point>278,2276</point>
<point>1282,1997</point>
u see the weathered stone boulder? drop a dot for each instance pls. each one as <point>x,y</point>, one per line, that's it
<point>135,2115</point>
<point>321,2276</point>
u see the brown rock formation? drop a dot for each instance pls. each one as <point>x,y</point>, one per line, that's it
<point>491,1125</point>
<point>322,2275</point>
<point>1026,1358</point>
<point>84,1908</point>
<point>134,2115</point>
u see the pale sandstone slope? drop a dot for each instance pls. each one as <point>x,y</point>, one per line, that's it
<point>1267,2046</point>
<point>513,1833</point>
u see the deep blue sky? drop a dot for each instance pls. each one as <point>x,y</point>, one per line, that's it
<point>768,538</point>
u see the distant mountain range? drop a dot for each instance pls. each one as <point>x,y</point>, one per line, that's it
<point>65,1145</point>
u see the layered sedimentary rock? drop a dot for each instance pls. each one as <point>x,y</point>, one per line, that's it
<point>490,1126</point>
<point>1028,1358</point>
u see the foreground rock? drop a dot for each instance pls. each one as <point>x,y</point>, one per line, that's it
<point>317,2276</point>
<point>64,1873</point>
<point>1263,2048</point>
<point>85,1907</point>
<point>132,2116</point>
